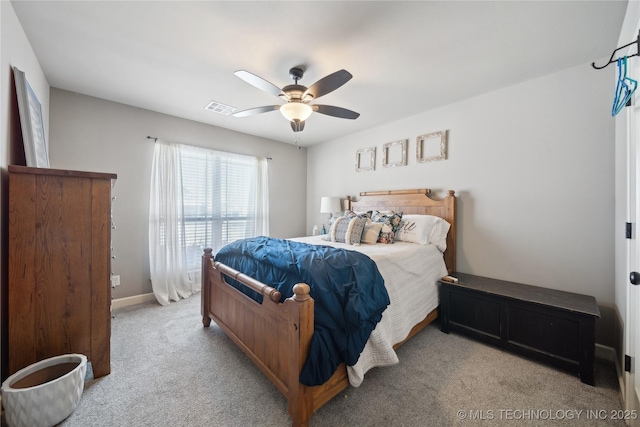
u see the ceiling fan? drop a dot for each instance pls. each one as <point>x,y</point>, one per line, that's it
<point>297,108</point>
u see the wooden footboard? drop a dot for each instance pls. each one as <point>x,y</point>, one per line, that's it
<point>276,336</point>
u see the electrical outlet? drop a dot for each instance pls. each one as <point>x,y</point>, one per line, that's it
<point>115,280</point>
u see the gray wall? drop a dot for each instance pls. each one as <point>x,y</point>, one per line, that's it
<point>15,50</point>
<point>91,134</point>
<point>532,166</point>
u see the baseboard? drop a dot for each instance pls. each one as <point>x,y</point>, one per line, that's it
<point>606,353</point>
<point>621,380</point>
<point>609,354</point>
<point>136,299</point>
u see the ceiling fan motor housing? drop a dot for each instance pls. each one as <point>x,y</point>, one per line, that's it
<point>295,92</point>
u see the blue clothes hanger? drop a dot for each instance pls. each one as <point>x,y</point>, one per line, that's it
<point>624,87</point>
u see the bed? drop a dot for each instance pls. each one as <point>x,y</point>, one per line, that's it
<point>276,335</point>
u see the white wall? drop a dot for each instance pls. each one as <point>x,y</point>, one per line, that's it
<point>532,166</point>
<point>15,50</point>
<point>91,134</point>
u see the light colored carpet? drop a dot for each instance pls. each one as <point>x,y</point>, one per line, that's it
<point>167,370</point>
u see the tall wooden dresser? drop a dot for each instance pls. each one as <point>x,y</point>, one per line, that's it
<point>59,293</point>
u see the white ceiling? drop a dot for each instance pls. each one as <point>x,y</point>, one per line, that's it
<point>174,57</point>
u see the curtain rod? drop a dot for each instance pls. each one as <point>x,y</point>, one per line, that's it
<point>155,139</point>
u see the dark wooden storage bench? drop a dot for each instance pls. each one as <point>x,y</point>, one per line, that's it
<point>553,326</point>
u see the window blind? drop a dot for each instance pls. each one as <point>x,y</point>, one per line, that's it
<point>219,199</point>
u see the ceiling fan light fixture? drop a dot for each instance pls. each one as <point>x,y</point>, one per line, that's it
<point>296,111</point>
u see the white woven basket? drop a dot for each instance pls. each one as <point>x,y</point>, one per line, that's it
<point>44,393</point>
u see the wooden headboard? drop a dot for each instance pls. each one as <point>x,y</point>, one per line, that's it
<point>414,202</point>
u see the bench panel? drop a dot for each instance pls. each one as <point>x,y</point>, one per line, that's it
<point>476,312</point>
<point>545,331</point>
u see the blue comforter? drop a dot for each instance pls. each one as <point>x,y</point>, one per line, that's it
<point>347,287</point>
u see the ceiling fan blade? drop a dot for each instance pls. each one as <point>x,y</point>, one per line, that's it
<point>297,125</point>
<point>330,110</point>
<point>328,84</point>
<point>259,82</point>
<point>257,110</point>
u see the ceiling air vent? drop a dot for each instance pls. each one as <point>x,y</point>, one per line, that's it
<point>217,107</point>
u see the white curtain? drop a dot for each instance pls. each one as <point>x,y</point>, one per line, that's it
<point>200,198</point>
<point>167,250</point>
<point>262,199</point>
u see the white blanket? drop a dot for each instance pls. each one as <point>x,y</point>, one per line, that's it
<point>410,273</point>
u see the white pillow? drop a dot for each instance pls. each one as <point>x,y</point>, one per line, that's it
<point>424,229</point>
<point>371,232</point>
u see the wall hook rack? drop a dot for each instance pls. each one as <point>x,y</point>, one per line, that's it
<point>611,60</point>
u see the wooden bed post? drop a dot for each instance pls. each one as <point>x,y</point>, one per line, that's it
<point>347,203</point>
<point>450,217</point>
<point>300,397</point>
<point>207,259</point>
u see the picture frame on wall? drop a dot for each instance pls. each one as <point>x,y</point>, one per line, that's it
<point>366,159</point>
<point>394,154</point>
<point>32,125</point>
<point>431,147</point>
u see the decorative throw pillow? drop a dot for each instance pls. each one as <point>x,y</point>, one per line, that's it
<point>352,214</point>
<point>424,229</point>
<point>348,230</point>
<point>390,225</point>
<point>371,232</point>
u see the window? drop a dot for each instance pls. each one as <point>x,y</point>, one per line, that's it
<point>200,198</point>
<point>220,199</point>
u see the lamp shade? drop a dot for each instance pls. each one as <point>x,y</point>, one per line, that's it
<point>296,111</point>
<point>330,205</point>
